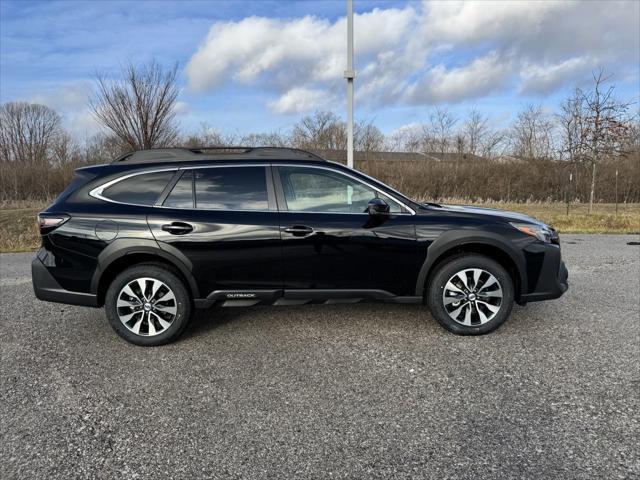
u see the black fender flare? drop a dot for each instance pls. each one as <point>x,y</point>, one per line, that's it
<point>129,246</point>
<point>452,239</point>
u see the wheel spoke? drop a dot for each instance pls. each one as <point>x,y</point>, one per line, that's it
<point>155,286</point>
<point>488,283</point>
<point>123,303</point>
<point>451,287</point>
<point>136,327</point>
<point>493,293</point>
<point>142,284</point>
<point>125,318</point>
<point>476,277</point>
<point>492,308</point>
<point>163,323</point>
<point>127,290</point>
<point>483,317</point>
<point>457,311</point>
<point>463,278</point>
<point>152,327</point>
<point>453,299</point>
<point>167,308</point>
<point>467,315</point>
<point>166,297</point>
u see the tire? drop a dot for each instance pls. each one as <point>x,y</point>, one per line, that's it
<point>155,317</point>
<point>470,304</point>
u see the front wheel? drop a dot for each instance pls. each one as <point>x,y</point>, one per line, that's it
<point>471,295</point>
<point>148,305</point>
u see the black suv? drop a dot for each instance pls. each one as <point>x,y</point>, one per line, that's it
<point>159,232</point>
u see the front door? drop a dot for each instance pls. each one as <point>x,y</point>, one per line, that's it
<point>225,221</point>
<point>329,241</point>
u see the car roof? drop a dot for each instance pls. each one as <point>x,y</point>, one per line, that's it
<point>200,154</point>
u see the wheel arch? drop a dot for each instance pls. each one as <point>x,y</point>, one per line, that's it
<point>123,254</point>
<point>453,244</point>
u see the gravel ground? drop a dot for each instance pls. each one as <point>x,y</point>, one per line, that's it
<point>342,391</point>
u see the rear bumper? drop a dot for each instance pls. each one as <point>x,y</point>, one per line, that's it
<point>48,289</point>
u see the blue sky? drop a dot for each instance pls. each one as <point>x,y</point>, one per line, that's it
<point>261,65</point>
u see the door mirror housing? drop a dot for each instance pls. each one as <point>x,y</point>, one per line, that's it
<point>377,206</point>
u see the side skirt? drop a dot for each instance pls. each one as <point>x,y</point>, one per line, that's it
<point>248,298</point>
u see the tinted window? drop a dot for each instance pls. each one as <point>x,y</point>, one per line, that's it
<point>316,190</point>
<point>141,189</point>
<point>232,188</point>
<point>182,194</point>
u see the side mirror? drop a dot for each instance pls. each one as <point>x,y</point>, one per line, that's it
<point>377,206</point>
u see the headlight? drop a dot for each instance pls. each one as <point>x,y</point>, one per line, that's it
<point>541,232</point>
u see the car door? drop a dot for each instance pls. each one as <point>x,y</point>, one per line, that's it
<point>330,242</point>
<point>225,221</point>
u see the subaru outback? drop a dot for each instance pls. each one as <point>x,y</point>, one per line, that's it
<point>158,233</point>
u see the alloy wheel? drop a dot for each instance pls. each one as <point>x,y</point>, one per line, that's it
<point>472,297</point>
<point>146,306</point>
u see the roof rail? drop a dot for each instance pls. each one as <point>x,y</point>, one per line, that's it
<point>159,155</point>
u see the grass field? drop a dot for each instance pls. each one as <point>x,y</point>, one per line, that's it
<point>18,231</point>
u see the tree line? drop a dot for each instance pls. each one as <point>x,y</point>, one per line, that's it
<point>588,150</point>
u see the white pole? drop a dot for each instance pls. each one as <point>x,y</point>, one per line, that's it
<point>349,74</point>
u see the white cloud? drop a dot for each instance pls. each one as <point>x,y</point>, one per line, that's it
<point>298,100</point>
<point>480,77</point>
<point>545,78</point>
<point>425,53</point>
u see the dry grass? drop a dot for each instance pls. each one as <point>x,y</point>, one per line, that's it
<point>18,231</point>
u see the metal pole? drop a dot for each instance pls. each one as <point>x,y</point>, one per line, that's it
<point>616,191</point>
<point>349,74</point>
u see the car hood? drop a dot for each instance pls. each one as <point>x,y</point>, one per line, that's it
<point>493,212</point>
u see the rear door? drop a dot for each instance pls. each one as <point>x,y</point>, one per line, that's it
<point>225,221</point>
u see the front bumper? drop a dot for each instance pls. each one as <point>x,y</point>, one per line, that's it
<point>547,275</point>
<point>48,289</point>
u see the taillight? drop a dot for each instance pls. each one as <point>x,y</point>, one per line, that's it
<point>48,223</point>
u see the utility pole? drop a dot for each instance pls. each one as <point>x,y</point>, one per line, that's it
<point>349,74</point>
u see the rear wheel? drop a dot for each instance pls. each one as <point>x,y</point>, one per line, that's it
<point>148,305</point>
<point>471,295</point>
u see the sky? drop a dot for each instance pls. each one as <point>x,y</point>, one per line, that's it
<point>256,66</point>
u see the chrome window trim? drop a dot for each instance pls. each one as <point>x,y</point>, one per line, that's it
<point>97,192</point>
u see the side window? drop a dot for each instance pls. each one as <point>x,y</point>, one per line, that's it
<point>181,195</point>
<point>143,189</point>
<point>231,188</point>
<point>317,190</point>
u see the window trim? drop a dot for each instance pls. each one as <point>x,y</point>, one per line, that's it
<point>98,191</point>
<point>276,200</point>
<point>284,208</point>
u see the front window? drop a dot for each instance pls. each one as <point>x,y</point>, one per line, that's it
<point>319,190</point>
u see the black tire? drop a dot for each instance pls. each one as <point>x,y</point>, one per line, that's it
<point>181,303</point>
<point>446,271</point>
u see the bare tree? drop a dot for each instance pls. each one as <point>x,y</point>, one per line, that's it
<point>27,132</point>
<point>139,107</point>
<point>438,135</point>
<point>368,137</point>
<point>321,131</point>
<point>475,131</point>
<point>606,125</point>
<point>532,133</point>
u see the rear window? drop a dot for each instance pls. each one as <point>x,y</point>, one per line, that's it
<point>141,189</point>
<point>232,188</point>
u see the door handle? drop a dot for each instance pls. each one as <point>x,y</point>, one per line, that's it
<point>177,228</point>
<point>299,230</point>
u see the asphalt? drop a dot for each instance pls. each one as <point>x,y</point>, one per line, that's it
<point>336,391</point>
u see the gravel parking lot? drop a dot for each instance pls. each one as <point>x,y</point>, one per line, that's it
<point>342,391</point>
